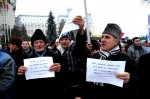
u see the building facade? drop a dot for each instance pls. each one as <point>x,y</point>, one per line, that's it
<point>32,22</point>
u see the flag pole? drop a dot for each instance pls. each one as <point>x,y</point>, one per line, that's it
<point>4,22</point>
<point>87,23</point>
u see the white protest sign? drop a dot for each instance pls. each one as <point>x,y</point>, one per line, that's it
<point>104,71</point>
<point>38,67</point>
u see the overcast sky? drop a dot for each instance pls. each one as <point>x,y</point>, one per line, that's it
<point>130,15</point>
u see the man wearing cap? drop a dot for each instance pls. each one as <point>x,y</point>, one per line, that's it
<point>74,53</point>
<point>109,50</point>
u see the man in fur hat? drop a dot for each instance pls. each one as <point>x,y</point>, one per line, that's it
<point>46,87</point>
<point>109,50</point>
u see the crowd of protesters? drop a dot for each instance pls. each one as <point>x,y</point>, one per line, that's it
<point>70,68</point>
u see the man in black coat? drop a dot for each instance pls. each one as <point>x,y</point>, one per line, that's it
<point>143,72</point>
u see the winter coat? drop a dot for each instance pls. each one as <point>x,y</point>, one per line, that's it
<point>46,87</point>
<point>7,75</point>
<point>136,52</point>
<point>75,56</point>
<point>18,56</point>
<point>143,72</point>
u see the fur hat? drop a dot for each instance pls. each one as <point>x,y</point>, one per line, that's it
<point>114,30</point>
<point>38,35</point>
<point>66,35</point>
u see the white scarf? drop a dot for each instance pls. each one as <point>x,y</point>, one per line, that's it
<point>61,49</point>
<point>104,55</point>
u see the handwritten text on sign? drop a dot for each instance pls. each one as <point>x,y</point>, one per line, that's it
<point>38,67</point>
<point>104,71</point>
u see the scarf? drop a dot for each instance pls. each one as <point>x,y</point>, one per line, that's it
<point>103,54</point>
<point>61,49</point>
<point>40,54</point>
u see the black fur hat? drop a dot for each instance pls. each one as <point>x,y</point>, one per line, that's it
<point>38,35</point>
<point>114,30</point>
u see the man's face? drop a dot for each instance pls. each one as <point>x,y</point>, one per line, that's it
<point>108,42</point>
<point>25,45</point>
<point>39,45</point>
<point>13,47</point>
<point>64,42</point>
<point>137,42</point>
<point>89,46</point>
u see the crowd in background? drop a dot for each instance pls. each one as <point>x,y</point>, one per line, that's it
<point>69,65</point>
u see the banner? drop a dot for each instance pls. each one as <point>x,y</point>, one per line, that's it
<point>121,34</point>
<point>148,34</point>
